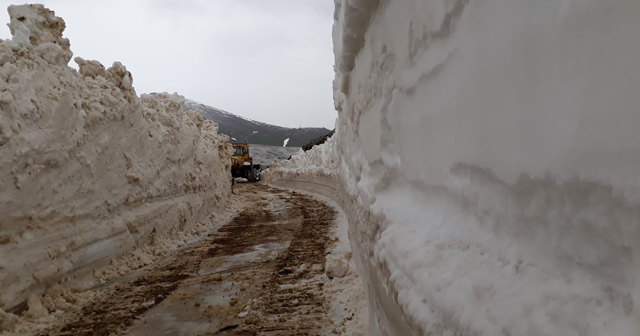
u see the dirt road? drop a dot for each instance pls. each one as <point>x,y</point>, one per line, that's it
<point>260,274</point>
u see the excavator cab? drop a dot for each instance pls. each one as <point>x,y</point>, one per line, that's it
<point>242,164</point>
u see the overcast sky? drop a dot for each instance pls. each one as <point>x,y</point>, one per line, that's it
<point>269,60</point>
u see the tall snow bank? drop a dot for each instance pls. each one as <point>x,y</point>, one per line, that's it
<point>488,153</point>
<point>89,170</point>
<point>320,160</point>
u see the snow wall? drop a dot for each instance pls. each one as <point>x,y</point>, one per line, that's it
<point>89,170</point>
<point>487,154</point>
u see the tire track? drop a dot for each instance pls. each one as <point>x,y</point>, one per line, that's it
<point>260,274</point>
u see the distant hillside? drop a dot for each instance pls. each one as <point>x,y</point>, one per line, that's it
<point>263,155</point>
<point>241,129</point>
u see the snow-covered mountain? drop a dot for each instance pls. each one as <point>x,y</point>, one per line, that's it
<point>241,129</point>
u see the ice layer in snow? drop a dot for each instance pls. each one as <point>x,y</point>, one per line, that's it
<point>487,154</point>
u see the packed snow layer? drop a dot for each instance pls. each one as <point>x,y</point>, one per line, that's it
<point>487,154</point>
<point>90,170</point>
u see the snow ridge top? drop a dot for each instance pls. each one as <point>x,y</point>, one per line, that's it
<point>37,25</point>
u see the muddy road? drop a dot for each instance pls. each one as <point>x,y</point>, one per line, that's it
<point>260,274</point>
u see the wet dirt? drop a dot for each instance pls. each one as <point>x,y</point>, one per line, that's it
<point>260,274</point>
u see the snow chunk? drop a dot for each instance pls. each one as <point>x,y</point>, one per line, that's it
<point>36,25</point>
<point>127,81</point>
<point>286,141</point>
<point>119,75</point>
<point>91,69</point>
<point>336,267</point>
<point>20,37</point>
<point>36,310</point>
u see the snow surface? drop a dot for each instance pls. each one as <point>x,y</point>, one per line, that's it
<point>493,151</point>
<point>345,295</point>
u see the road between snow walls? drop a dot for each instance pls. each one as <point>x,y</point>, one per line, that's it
<point>487,155</point>
<point>117,210</point>
<point>90,171</point>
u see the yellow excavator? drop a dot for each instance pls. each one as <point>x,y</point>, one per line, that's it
<point>242,164</point>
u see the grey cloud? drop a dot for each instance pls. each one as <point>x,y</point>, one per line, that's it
<point>266,60</point>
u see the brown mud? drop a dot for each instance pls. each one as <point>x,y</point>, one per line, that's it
<point>260,274</point>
